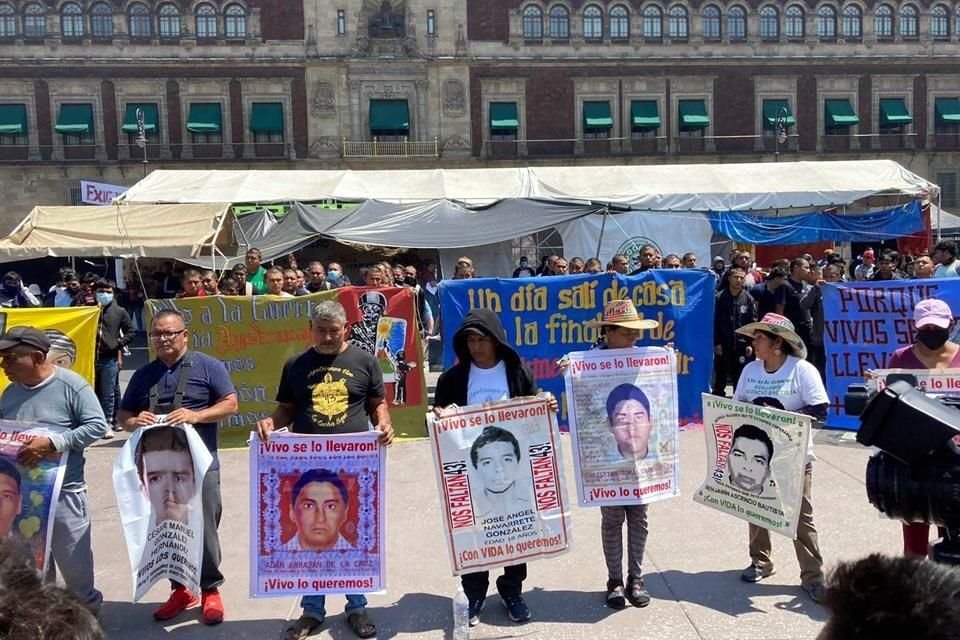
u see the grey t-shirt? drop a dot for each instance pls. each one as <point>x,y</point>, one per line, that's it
<point>64,399</point>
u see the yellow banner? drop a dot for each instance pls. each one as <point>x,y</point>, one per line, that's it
<point>72,332</point>
<point>254,336</point>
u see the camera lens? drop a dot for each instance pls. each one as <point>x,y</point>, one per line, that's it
<point>930,493</point>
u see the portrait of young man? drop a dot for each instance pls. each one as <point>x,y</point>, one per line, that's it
<point>165,465</point>
<point>748,463</point>
<point>318,508</point>
<point>495,456</point>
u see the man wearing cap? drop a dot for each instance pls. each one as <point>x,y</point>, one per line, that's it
<point>864,270</point>
<point>44,393</point>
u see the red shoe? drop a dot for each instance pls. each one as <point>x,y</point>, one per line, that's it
<point>212,606</point>
<point>179,601</point>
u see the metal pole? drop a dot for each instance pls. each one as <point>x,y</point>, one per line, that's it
<point>603,224</point>
<point>142,139</point>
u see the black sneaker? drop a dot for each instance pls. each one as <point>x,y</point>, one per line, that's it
<point>616,599</point>
<point>516,608</point>
<point>637,595</point>
<point>475,608</point>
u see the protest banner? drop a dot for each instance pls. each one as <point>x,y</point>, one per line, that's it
<point>545,319</point>
<point>756,458</point>
<point>72,332</point>
<point>255,335</point>
<point>864,323</point>
<point>29,494</point>
<point>500,475</point>
<point>158,478</point>
<point>317,514</point>
<point>623,425</point>
<point>939,382</point>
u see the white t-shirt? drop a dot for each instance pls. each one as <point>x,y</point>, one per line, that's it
<point>795,385</point>
<point>948,270</point>
<point>487,385</point>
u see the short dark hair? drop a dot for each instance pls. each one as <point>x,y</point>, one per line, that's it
<point>797,262</point>
<point>167,313</point>
<point>883,598</point>
<point>161,438</point>
<point>318,475</point>
<point>229,281</point>
<point>689,254</point>
<point>890,256</point>
<point>777,272</point>
<point>576,260</point>
<point>253,251</point>
<point>947,245</point>
<point>737,269</point>
<point>490,435</point>
<point>104,283</point>
<point>753,432</point>
<point>239,267</point>
<point>189,273</point>
<point>11,275</point>
<point>7,468</point>
<point>626,391</point>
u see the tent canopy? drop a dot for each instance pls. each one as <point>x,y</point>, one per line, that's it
<point>146,231</point>
<point>711,187</point>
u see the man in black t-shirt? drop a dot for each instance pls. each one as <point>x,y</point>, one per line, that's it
<point>333,387</point>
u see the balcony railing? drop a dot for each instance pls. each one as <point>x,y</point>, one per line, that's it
<point>377,148</point>
<point>154,152</point>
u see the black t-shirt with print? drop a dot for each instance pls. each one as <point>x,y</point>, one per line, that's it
<point>330,393</point>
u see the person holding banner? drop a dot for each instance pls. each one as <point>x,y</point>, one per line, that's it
<point>334,387</point>
<point>186,387</point>
<point>44,393</point>
<point>488,370</point>
<point>781,378</point>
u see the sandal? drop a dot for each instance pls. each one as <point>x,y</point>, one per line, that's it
<point>362,625</point>
<point>301,628</point>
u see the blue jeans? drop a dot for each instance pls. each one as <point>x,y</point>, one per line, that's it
<point>106,375</point>
<point>313,606</point>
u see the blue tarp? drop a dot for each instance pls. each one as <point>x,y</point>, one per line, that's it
<point>819,226</point>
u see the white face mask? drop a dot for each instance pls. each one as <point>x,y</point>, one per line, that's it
<point>104,298</point>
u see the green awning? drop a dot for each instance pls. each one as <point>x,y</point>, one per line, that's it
<point>948,110</point>
<point>205,117</point>
<point>644,114</point>
<point>151,118</point>
<point>503,115</point>
<point>770,110</point>
<point>13,119</point>
<point>266,117</point>
<point>839,113</point>
<point>75,118</point>
<point>389,115</point>
<point>893,112</point>
<point>596,115</point>
<point>693,115</point>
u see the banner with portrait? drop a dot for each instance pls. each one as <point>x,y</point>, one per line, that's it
<point>933,382</point>
<point>622,406</point>
<point>29,494</point>
<point>158,478</point>
<point>317,514</point>
<point>756,457</point>
<point>500,476</point>
<point>255,335</point>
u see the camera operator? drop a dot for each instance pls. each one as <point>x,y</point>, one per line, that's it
<point>931,350</point>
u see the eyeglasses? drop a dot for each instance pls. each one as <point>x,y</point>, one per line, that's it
<point>166,335</point>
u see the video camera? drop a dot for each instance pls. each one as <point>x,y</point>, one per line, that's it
<point>916,476</point>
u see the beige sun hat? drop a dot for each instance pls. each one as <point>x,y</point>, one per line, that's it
<point>781,327</point>
<point>622,313</point>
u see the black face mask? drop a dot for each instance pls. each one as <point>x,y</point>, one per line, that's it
<point>933,339</point>
<point>410,281</point>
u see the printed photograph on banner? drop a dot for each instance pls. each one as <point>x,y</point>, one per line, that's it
<point>158,478</point>
<point>29,494</point>
<point>317,515</point>
<point>500,477</point>
<point>622,406</point>
<point>933,382</point>
<point>756,458</point>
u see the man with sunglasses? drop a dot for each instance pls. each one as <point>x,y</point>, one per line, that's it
<point>188,387</point>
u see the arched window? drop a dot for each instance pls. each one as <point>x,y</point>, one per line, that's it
<point>206,19</point>
<point>532,23</point>
<point>34,20</point>
<point>852,22</point>
<point>559,22</point>
<point>827,22</point>
<point>940,23</point>
<point>593,23</point>
<point>8,21</point>
<point>677,24</point>
<point>909,26</point>
<point>236,22</point>
<point>737,23</point>
<point>101,20</point>
<point>710,22</point>
<point>140,24</point>
<point>652,22</point>
<point>793,22</point>
<point>769,23</point>
<point>169,21</point>
<point>619,23</point>
<point>883,21</point>
<point>71,20</point>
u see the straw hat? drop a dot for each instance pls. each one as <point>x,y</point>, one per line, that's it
<point>622,313</point>
<point>782,328</point>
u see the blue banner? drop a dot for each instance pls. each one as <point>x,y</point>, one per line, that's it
<point>819,226</point>
<point>864,323</point>
<point>544,320</point>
